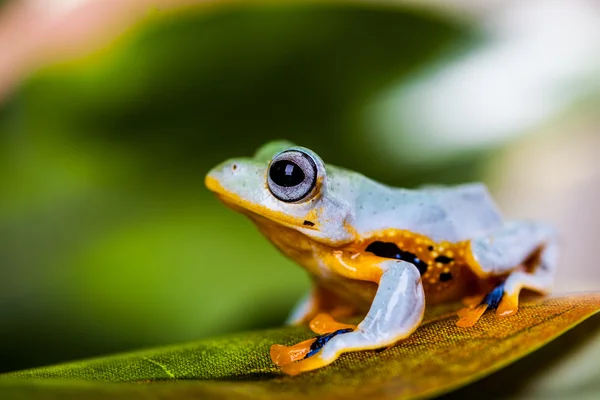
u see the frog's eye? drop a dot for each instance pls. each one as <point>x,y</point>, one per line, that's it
<point>292,176</point>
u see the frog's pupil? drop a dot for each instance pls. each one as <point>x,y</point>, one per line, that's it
<point>286,173</point>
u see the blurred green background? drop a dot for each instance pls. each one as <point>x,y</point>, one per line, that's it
<point>109,240</point>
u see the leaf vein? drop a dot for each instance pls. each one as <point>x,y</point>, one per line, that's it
<point>165,369</point>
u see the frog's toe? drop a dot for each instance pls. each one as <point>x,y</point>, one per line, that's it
<point>463,312</point>
<point>508,306</point>
<point>282,355</point>
<point>324,323</point>
<point>494,300</point>
<point>470,316</point>
<point>308,364</point>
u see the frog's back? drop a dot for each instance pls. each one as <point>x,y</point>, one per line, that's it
<point>468,210</point>
<point>442,213</point>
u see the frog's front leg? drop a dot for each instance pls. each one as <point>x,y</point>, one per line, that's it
<point>317,309</point>
<point>527,244</point>
<point>396,311</point>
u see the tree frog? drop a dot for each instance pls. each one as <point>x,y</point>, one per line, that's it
<point>380,252</point>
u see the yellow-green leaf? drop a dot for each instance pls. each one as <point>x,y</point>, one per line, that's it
<point>437,358</point>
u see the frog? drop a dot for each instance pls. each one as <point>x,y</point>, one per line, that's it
<point>380,254</point>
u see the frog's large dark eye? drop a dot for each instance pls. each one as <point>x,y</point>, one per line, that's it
<point>292,176</point>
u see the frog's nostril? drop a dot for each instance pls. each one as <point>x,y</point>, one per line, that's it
<point>234,167</point>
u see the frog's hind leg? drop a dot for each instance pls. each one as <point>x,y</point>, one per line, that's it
<point>527,252</point>
<point>537,276</point>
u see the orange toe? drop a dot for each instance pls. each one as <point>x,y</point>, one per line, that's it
<point>463,312</point>
<point>282,355</point>
<point>324,323</point>
<point>305,365</point>
<point>470,316</point>
<point>508,306</point>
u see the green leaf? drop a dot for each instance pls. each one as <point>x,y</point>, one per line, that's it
<point>437,358</point>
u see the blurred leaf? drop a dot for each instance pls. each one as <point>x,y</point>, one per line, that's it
<point>439,357</point>
<point>249,73</point>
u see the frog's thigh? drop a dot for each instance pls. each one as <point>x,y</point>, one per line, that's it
<point>396,311</point>
<point>506,248</point>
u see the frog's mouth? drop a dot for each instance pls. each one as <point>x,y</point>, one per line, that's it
<point>254,210</point>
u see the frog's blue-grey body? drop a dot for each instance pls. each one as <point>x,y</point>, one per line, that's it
<point>351,205</point>
<point>450,214</point>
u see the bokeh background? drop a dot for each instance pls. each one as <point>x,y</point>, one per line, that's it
<point>111,113</point>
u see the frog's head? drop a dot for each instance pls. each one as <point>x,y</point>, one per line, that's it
<point>284,185</point>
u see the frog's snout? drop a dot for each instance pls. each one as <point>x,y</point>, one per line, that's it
<point>236,177</point>
<point>221,174</point>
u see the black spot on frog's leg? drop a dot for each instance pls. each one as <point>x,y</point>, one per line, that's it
<point>492,299</point>
<point>444,259</point>
<point>445,276</point>
<point>308,223</point>
<point>322,341</point>
<point>430,248</point>
<point>391,250</point>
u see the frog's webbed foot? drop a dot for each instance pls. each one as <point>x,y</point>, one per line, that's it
<point>282,355</point>
<point>286,356</point>
<point>324,325</point>
<point>397,310</point>
<point>530,246</point>
<point>471,314</point>
<point>313,358</point>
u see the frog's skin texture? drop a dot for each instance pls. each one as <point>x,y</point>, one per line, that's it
<point>381,252</point>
